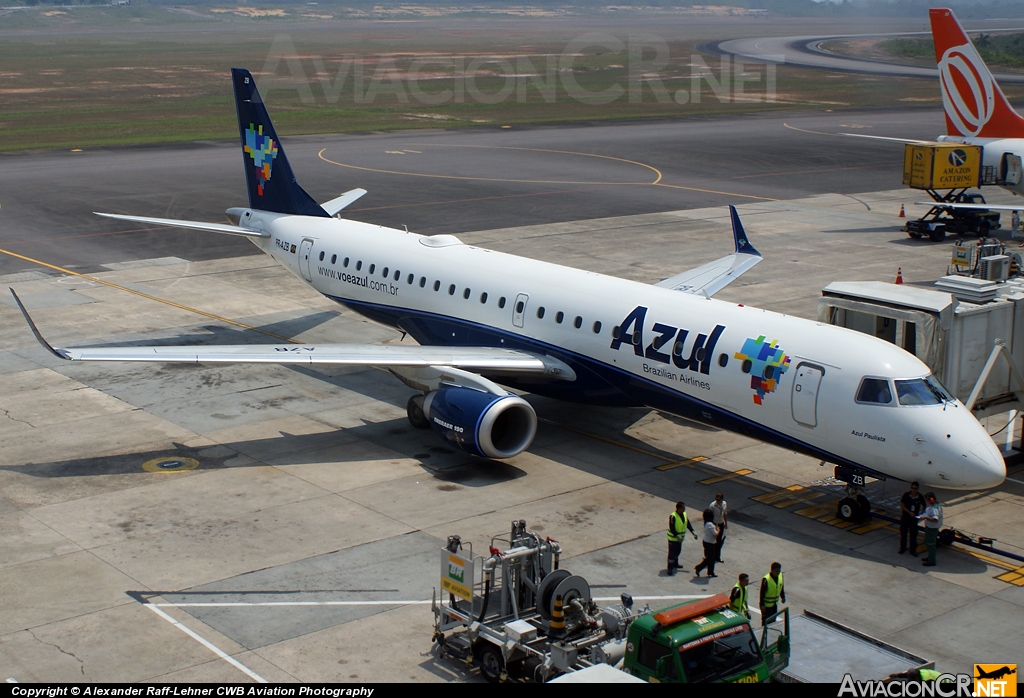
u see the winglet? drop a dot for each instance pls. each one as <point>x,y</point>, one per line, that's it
<point>739,235</point>
<point>59,353</point>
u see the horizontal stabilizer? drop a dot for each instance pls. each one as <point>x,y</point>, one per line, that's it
<point>194,225</point>
<point>712,277</point>
<point>344,201</point>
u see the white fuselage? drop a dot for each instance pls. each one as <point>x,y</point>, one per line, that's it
<point>635,344</point>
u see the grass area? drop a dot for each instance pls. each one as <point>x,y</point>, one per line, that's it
<point>997,50</point>
<point>90,87</point>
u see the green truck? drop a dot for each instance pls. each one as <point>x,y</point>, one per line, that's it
<point>705,641</point>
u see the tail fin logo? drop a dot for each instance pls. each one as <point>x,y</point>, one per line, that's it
<point>262,149</point>
<point>968,91</point>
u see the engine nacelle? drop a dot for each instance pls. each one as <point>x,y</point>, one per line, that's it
<point>482,424</point>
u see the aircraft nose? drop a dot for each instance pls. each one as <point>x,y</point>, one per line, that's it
<point>985,466</point>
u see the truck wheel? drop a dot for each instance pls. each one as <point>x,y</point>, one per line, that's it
<point>983,229</point>
<point>414,410</point>
<point>937,234</point>
<point>492,664</point>
<point>916,234</point>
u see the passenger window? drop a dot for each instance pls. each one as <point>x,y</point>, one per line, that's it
<point>359,265</point>
<point>385,273</point>
<point>597,327</point>
<point>321,256</point>
<point>501,302</point>
<point>483,297</point>
<point>559,316</point>
<point>437,285</point>
<point>520,306</point>
<point>410,279</point>
<point>423,281</point>
<point>345,263</point>
<point>540,312</point>
<point>398,274</point>
<point>875,390</point>
<point>334,259</point>
<point>466,294</point>
<point>451,290</point>
<point>372,267</point>
<point>578,323</point>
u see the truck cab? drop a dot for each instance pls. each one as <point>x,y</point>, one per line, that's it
<point>705,641</point>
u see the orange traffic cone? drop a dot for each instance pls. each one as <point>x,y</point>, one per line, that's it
<point>899,275</point>
<point>903,214</point>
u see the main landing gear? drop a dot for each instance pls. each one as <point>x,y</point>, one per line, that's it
<point>414,410</point>
<point>855,506</point>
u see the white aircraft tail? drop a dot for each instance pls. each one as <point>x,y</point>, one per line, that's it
<point>974,104</point>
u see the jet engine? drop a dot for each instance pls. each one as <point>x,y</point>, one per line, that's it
<point>481,423</point>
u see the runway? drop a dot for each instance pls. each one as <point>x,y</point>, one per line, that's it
<point>240,523</point>
<point>807,51</point>
<point>444,181</point>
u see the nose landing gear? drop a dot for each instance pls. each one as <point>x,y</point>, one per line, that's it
<point>855,506</point>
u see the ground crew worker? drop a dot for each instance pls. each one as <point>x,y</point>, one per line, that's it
<point>738,597</point>
<point>721,511</point>
<point>772,590</point>
<point>932,518</point>
<point>927,675</point>
<point>678,524</point>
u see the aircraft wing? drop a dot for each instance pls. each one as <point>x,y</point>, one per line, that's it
<point>195,225</point>
<point>471,359</point>
<point>712,277</point>
<point>981,207</point>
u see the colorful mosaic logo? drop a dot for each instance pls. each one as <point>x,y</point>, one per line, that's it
<point>765,362</point>
<point>262,149</point>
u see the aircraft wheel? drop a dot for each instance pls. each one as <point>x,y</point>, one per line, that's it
<point>849,509</point>
<point>492,664</point>
<point>414,410</point>
<point>865,506</point>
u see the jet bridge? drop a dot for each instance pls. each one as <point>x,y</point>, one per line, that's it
<point>975,349</point>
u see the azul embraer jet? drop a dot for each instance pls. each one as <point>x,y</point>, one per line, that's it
<point>487,321</point>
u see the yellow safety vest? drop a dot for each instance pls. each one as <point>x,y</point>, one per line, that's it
<point>739,604</point>
<point>673,526</point>
<point>773,591</point>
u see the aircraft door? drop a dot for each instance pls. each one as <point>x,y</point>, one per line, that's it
<point>805,394</point>
<point>1011,168</point>
<point>305,249</point>
<point>519,309</point>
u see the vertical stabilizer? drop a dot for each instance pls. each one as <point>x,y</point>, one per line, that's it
<point>269,177</point>
<point>974,104</point>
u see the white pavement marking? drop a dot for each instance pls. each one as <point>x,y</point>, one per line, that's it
<point>206,643</point>
<point>396,602</point>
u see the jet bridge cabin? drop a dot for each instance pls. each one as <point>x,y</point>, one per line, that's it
<point>973,349</point>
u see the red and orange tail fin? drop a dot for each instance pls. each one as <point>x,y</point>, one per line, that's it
<point>974,104</point>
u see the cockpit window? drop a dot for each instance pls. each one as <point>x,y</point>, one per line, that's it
<point>875,390</point>
<point>922,391</point>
